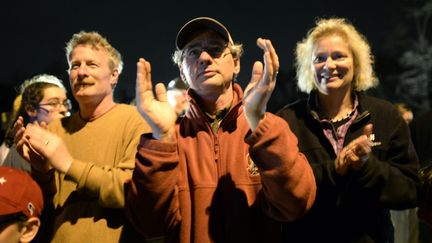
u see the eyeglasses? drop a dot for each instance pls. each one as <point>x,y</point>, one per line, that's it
<point>215,51</point>
<point>57,104</point>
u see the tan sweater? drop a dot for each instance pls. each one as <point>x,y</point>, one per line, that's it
<point>88,201</point>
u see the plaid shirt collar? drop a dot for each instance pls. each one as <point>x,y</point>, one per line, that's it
<point>336,137</point>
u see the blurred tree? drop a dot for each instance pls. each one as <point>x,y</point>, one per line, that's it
<point>414,82</point>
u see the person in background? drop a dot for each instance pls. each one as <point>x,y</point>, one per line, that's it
<point>21,204</point>
<point>86,158</point>
<point>177,95</point>
<point>424,212</point>
<point>359,146</point>
<point>405,222</point>
<point>406,112</point>
<point>421,134</point>
<point>42,99</point>
<point>7,123</point>
<point>228,171</point>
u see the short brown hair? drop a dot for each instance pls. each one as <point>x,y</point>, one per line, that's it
<point>95,40</point>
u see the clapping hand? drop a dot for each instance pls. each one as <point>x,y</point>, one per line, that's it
<point>49,146</point>
<point>156,111</point>
<point>355,154</point>
<point>261,85</point>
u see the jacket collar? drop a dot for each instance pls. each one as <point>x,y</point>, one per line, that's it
<point>195,110</point>
<point>312,107</point>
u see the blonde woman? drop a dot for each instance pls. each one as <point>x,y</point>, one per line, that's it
<point>359,146</point>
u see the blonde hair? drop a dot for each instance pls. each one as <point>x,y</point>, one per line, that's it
<point>402,108</point>
<point>364,75</point>
<point>95,40</point>
<point>11,119</point>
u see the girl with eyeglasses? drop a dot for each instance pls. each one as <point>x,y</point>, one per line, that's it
<point>42,99</point>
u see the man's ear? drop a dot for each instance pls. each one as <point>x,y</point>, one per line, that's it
<point>30,229</point>
<point>236,66</point>
<point>182,76</point>
<point>114,77</point>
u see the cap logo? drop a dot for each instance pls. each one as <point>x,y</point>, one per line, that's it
<point>2,180</point>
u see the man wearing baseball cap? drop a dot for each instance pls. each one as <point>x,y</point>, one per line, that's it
<point>227,171</point>
<point>21,204</point>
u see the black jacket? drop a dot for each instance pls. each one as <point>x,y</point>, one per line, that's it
<point>354,208</point>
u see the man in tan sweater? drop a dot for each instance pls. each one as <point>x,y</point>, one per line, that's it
<point>86,158</point>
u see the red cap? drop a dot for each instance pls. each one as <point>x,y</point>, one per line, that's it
<point>19,193</point>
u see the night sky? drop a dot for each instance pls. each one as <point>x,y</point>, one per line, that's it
<point>34,33</point>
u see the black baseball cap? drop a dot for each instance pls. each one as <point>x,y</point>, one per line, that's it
<point>198,25</point>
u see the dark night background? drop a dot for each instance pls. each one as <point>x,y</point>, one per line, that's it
<point>34,33</point>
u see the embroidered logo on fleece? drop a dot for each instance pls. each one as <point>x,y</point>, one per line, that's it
<point>372,139</point>
<point>252,168</point>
